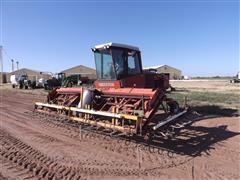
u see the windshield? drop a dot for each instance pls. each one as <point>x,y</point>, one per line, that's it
<point>104,65</point>
<point>23,77</point>
<point>117,63</point>
<point>60,75</point>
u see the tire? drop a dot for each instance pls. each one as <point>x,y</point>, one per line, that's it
<point>173,107</point>
<point>33,86</point>
<point>13,86</point>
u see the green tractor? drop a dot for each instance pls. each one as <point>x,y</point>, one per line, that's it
<point>55,81</point>
<point>75,80</point>
<point>61,80</point>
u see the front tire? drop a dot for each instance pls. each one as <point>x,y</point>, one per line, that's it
<point>173,106</point>
<point>20,86</point>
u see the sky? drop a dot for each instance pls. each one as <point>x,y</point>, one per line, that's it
<point>200,37</point>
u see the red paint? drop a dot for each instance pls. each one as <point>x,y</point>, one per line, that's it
<point>130,92</point>
<point>69,90</point>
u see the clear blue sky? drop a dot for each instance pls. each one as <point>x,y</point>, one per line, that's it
<point>198,37</point>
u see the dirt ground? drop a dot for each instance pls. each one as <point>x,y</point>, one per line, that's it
<point>34,146</point>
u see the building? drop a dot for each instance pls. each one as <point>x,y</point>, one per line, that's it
<point>83,70</point>
<point>173,72</point>
<point>32,74</point>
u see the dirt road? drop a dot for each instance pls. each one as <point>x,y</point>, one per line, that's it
<point>36,146</point>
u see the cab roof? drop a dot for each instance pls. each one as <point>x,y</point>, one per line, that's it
<point>111,44</point>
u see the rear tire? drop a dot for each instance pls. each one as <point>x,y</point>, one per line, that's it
<point>173,106</point>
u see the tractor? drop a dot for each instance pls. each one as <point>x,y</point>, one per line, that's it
<point>22,82</point>
<point>124,98</point>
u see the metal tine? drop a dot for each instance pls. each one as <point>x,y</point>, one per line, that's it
<point>114,134</point>
<point>177,126</point>
<point>95,127</point>
<point>88,127</point>
<point>107,130</point>
<point>195,112</point>
<point>61,118</point>
<point>99,128</point>
<point>162,133</point>
<point>123,134</point>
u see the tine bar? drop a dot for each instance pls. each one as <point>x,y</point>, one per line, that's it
<point>169,119</point>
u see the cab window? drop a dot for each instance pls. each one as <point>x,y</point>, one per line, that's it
<point>133,63</point>
<point>104,65</point>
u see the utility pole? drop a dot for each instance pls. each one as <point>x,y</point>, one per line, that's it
<point>12,65</point>
<point>17,64</point>
<point>1,63</point>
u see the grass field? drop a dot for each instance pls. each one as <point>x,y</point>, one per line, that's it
<point>209,96</point>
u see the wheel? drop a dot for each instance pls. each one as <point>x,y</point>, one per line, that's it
<point>33,86</point>
<point>13,86</point>
<point>173,89</point>
<point>173,106</point>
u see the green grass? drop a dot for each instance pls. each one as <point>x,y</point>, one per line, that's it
<point>213,97</point>
<point>217,103</point>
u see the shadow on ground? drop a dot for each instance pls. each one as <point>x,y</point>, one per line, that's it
<point>193,140</point>
<point>215,110</point>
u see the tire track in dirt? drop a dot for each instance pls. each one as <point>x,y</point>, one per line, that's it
<point>66,143</point>
<point>118,147</point>
<point>28,158</point>
<point>54,139</point>
<point>156,158</point>
<point>41,166</point>
<point>12,171</point>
